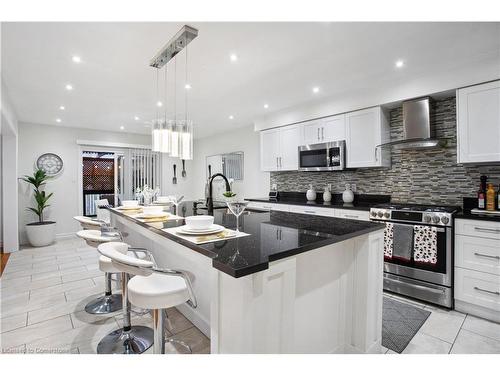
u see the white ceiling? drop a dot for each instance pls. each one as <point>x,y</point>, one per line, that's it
<point>278,64</point>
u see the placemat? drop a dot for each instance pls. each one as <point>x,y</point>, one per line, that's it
<point>226,234</point>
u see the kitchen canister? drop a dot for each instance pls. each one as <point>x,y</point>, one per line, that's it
<point>327,194</point>
<point>348,195</point>
<point>311,194</point>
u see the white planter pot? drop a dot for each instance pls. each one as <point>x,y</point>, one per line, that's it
<point>41,234</point>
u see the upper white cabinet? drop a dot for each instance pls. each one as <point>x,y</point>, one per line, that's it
<point>324,130</point>
<point>478,123</point>
<point>279,148</point>
<point>365,130</point>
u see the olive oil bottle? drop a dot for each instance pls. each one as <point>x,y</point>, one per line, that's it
<point>490,198</point>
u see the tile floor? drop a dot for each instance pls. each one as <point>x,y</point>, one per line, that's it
<point>44,292</point>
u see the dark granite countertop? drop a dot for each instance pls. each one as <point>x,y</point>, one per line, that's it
<point>470,203</point>
<point>362,202</point>
<point>273,236</point>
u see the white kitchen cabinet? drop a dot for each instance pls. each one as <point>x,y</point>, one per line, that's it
<point>365,130</point>
<point>313,210</point>
<point>279,148</point>
<point>478,123</point>
<point>289,148</point>
<point>328,129</point>
<point>352,214</point>
<point>477,268</point>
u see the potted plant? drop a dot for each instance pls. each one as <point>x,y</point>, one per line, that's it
<point>41,232</point>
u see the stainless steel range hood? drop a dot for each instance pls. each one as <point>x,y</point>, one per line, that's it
<point>417,130</point>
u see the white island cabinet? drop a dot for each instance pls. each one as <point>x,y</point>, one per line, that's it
<point>291,290</point>
<point>478,123</point>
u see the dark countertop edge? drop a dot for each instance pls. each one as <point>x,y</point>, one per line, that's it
<point>469,216</point>
<point>364,206</point>
<point>237,273</point>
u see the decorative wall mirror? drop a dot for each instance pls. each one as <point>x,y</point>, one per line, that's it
<point>230,165</point>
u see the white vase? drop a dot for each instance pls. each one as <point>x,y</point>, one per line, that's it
<point>311,194</point>
<point>348,195</point>
<point>327,195</point>
<point>41,234</point>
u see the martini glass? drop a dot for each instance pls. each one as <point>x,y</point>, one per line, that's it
<point>237,208</point>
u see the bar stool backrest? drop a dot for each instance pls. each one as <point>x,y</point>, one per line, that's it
<point>102,213</point>
<point>117,252</point>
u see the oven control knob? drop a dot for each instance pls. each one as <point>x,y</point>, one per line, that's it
<point>380,214</point>
<point>387,215</point>
<point>445,219</point>
<point>373,213</point>
<point>436,219</point>
<point>427,218</point>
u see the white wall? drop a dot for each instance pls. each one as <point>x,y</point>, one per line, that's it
<point>432,83</point>
<point>34,140</point>
<point>9,134</point>
<point>255,183</point>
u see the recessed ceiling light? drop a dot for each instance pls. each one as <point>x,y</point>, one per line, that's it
<point>58,120</point>
<point>159,104</point>
<point>315,90</point>
<point>69,87</point>
<point>233,57</point>
<point>122,127</point>
<point>62,108</point>
<point>266,106</point>
<point>187,86</point>
<point>400,63</point>
<point>231,117</point>
<point>76,59</point>
<point>136,118</point>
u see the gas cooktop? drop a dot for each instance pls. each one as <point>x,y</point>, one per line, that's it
<point>414,213</point>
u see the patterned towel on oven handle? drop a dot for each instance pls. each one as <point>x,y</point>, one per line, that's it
<point>425,244</point>
<point>388,240</point>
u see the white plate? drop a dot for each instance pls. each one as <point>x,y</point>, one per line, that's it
<point>152,216</point>
<point>214,228</point>
<point>131,208</point>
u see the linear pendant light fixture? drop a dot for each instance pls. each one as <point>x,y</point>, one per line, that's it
<point>173,137</point>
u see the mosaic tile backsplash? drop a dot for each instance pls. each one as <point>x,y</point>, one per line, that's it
<point>416,176</point>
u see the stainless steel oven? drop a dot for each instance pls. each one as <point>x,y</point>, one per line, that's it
<point>425,281</point>
<point>328,156</point>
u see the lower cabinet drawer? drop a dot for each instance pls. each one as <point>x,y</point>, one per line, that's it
<point>478,254</point>
<point>353,214</point>
<point>478,288</point>
<point>478,228</point>
<point>320,211</point>
<point>268,206</point>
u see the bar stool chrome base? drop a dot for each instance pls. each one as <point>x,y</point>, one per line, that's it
<point>105,304</point>
<point>135,340</point>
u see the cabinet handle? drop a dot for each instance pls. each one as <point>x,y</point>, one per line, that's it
<point>318,134</point>
<point>487,291</point>
<point>281,164</point>
<point>487,230</point>
<point>310,212</point>
<point>352,216</point>
<point>277,165</point>
<point>487,256</point>
<point>376,155</point>
<point>322,134</point>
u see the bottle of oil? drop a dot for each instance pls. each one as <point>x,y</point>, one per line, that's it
<point>490,198</point>
<point>481,198</point>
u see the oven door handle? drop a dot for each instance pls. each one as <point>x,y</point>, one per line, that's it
<point>421,287</point>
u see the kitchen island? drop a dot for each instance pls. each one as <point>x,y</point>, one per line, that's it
<point>296,284</point>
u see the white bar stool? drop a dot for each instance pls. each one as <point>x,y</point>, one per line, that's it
<point>152,288</point>
<point>88,222</point>
<point>109,302</point>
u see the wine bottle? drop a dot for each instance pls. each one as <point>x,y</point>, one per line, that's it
<point>481,198</point>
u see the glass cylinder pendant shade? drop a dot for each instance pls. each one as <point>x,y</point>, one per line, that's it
<point>161,137</point>
<point>174,139</point>
<point>186,140</point>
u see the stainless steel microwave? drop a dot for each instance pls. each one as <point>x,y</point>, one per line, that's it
<point>328,156</point>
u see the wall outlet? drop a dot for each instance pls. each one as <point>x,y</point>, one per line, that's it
<point>274,187</point>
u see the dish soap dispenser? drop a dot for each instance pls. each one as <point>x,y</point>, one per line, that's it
<point>327,194</point>
<point>348,195</point>
<point>311,194</point>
